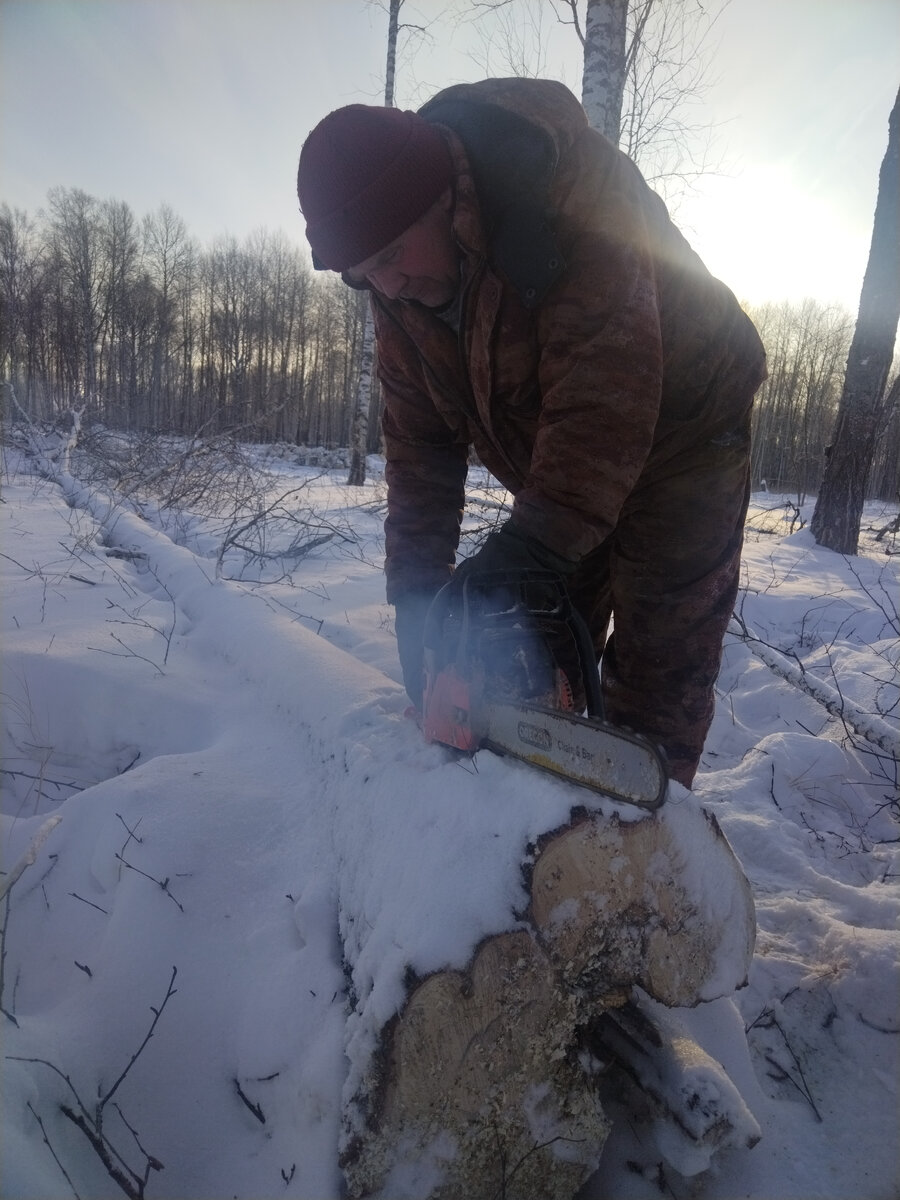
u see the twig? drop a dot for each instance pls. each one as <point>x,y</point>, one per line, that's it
<point>31,853</point>
<point>75,896</point>
<point>91,1124</point>
<point>42,779</point>
<point>157,1013</point>
<point>254,1108</point>
<point>129,653</point>
<point>131,1184</point>
<point>163,883</point>
<point>132,835</point>
<point>92,1131</point>
<point>767,1020</point>
<point>151,1159</point>
<point>52,1151</point>
<point>6,1012</point>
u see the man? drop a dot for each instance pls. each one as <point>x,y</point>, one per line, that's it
<point>532,299</point>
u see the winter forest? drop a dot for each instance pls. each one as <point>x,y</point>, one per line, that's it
<point>259,937</point>
<point>129,320</point>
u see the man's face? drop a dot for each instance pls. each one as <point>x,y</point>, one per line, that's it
<point>422,264</point>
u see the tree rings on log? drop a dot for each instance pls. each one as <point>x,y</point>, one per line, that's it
<point>660,902</point>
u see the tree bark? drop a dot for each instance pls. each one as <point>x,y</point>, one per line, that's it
<point>838,512</point>
<point>603,82</point>
<point>391,63</point>
<point>360,433</point>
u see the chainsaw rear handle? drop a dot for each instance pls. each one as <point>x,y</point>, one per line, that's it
<point>456,612</point>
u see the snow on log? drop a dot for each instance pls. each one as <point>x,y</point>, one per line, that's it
<point>662,1072</point>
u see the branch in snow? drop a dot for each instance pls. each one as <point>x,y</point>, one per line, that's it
<point>163,883</point>
<point>49,1146</point>
<point>31,853</point>
<point>867,725</point>
<point>90,1122</point>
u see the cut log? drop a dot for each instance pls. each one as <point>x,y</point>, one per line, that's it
<point>481,1086</point>
<point>654,1068</point>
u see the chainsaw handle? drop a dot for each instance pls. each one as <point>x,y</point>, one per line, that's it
<point>433,633</point>
<point>587,657</point>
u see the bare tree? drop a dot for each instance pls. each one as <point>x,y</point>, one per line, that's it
<point>862,412</point>
<point>645,62</point>
<point>22,292</point>
<point>359,440</point>
<point>173,338</point>
<point>514,41</point>
<point>83,277</point>
<point>806,346</point>
<point>603,82</point>
<point>669,59</point>
<point>168,258</point>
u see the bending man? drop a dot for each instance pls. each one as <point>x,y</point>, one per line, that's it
<point>532,299</point>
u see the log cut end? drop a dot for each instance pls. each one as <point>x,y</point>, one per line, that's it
<point>661,903</point>
<point>481,1096</point>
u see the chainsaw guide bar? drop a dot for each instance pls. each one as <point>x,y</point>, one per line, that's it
<point>588,752</point>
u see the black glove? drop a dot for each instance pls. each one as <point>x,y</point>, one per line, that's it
<point>409,625</point>
<point>509,549</point>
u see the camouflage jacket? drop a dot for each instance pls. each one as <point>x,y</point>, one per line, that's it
<point>589,331</point>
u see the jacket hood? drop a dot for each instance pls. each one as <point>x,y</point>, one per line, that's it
<point>514,133</point>
<point>544,104</point>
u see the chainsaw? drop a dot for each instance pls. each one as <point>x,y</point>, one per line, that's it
<point>506,659</point>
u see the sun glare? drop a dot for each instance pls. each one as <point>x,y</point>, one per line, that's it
<point>769,240</point>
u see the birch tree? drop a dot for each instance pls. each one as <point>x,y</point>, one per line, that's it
<point>359,439</point>
<point>603,81</point>
<point>862,411</point>
<point>644,63</point>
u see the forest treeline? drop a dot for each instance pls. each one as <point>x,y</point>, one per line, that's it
<point>135,323</point>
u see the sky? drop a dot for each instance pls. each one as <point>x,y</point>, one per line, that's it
<point>203,105</point>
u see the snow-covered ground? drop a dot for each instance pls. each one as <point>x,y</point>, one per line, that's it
<point>209,709</point>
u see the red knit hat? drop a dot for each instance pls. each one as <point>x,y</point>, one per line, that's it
<point>366,174</point>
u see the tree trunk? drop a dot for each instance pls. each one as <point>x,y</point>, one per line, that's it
<point>603,82</point>
<point>359,439</point>
<point>836,519</point>
<point>360,432</point>
<point>391,63</point>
